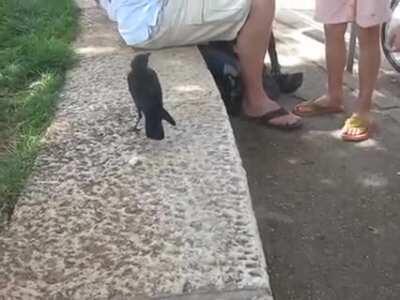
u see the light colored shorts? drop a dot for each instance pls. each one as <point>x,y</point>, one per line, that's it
<point>189,22</point>
<point>366,13</point>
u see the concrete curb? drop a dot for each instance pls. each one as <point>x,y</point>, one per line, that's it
<point>230,295</point>
<point>108,214</point>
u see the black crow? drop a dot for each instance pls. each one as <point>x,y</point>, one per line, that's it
<point>146,91</point>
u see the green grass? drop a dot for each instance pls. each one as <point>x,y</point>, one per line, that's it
<point>35,52</point>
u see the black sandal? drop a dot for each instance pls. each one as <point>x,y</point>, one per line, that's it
<point>265,120</point>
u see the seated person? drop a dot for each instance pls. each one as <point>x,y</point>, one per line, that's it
<point>155,24</point>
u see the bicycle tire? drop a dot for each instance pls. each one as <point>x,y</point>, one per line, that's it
<point>395,63</point>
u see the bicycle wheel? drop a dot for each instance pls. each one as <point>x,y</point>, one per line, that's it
<point>392,57</point>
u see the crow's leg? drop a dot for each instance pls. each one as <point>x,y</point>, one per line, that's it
<point>139,118</point>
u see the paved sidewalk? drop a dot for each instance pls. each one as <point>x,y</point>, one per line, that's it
<point>328,211</point>
<point>298,19</point>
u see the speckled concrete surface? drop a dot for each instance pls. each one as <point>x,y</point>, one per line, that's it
<point>108,214</point>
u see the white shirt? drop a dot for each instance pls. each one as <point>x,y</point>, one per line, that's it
<point>135,18</point>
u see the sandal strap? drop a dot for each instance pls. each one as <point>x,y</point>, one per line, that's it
<point>357,122</point>
<point>280,112</point>
<point>316,107</point>
<point>274,114</point>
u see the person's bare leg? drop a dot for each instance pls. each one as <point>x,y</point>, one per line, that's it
<point>252,45</point>
<point>335,54</point>
<point>370,61</point>
<point>336,62</point>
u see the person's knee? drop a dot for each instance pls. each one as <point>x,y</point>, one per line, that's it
<point>263,5</point>
<point>369,35</point>
<point>335,31</point>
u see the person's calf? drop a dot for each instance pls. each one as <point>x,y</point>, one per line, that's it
<point>252,45</point>
<point>370,61</point>
<point>335,32</point>
<point>335,60</point>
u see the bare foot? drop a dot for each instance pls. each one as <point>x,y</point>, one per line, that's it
<point>324,102</point>
<point>357,128</point>
<point>319,106</point>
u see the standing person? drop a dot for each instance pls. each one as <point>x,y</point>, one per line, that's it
<point>394,31</point>
<point>155,24</point>
<point>394,41</point>
<point>336,14</point>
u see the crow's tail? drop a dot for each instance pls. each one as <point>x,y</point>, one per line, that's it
<point>167,117</point>
<point>154,127</point>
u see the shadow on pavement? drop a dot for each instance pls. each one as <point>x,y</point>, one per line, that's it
<point>328,211</point>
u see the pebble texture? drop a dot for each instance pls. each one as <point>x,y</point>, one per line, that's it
<point>108,214</point>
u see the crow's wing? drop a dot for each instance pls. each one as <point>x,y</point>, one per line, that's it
<point>167,117</point>
<point>131,85</point>
<point>157,96</point>
<point>156,90</point>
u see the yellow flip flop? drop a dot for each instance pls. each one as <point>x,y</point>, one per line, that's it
<point>356,122</point>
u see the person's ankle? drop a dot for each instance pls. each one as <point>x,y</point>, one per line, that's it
<point>362,114</point>
<point>253,109</point>
<point>363,108</point>
<point>335,100</point>
<point>258,108</point>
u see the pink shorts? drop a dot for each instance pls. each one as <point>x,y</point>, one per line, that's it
<point>365,13</point>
